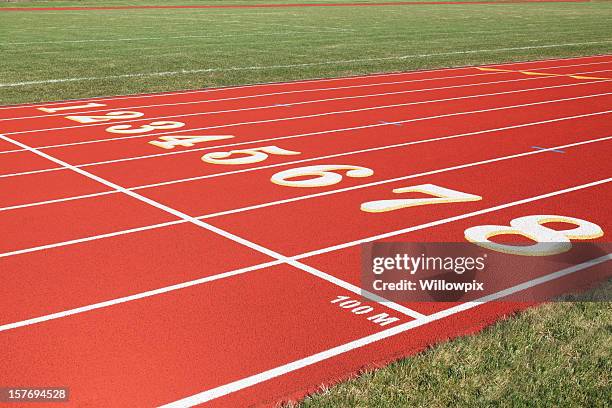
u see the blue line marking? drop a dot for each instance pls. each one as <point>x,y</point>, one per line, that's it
<point>390,123</point>
<point>550,150</point>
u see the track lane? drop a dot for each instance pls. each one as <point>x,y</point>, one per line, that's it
<point>121,349</point>
<point>386,164</point>
<point>205,326</point>
<point>165,169</point>
<point>121,346</point>
<point>72,132</point>
<point>60,279</point>
<point>329,220</point>
<point>73,259</point>
<point>131,146</point>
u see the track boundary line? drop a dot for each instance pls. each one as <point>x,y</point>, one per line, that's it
<point>275,106</point>
<point>238,385</point>
<point>196,102</point>
<point>214,175</point>
<point>309,64</point>
<point>265,84</point>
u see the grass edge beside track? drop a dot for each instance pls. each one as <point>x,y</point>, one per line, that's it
<point>555,354</point>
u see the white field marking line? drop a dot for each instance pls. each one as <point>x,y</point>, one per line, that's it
<point>268,84</point>
<point>441,138</point>
<point>370,108</point>
<point>236,272</point>
<point>308,64</point>
<point>225,234</point>
<point>251,34</point>
<point>279,93</point>
<point>263,376</point>
<point>162,225</point>
<point>197,102</point>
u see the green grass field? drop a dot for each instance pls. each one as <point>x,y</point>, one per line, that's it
<point>554,355</point>
<point>52,55</point>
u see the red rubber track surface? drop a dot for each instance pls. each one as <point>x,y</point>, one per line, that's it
<point>143,276</point>
<point>402,3</point>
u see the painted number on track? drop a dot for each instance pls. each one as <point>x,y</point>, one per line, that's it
<point>548,241</point>
<point>318,176</point>
<point>246,156</point>
<point>356,307</point>
<point>65,108</point>
<point>129,129</point>
<point>118,115</point>
<point>170,142</point>
<point>440,195</point>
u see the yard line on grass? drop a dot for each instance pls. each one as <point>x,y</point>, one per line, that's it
<point>268,84</point>
<point>301,91</point>
<point>267,375</point>
<point>223,233</point>
<point>212,215</point>
<point>253,34</point>
<point>308,64</point>
<point>240,271</point>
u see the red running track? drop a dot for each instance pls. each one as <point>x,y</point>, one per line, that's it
<point>144,276</point>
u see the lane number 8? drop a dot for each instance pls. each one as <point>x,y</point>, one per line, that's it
<point>548,241</point>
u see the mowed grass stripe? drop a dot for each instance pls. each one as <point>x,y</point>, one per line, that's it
<point>239,38</point>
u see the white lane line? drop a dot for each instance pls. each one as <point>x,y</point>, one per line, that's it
<point>318,80</point>
<point>303,91</point>
<point>188,179</point>
<point>307,64</point>
<point>299,135</point>
<point>275,106</point>
<point>249,208</point>
<point>228,235</point>
<point>236,272</point>
<point>387,181</point>
<point>141,295</point>
<point>246,382</point>
<point>324,114</point>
